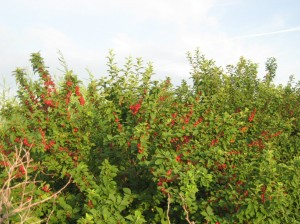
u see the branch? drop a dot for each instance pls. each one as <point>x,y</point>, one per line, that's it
<point>168,210</point>
<point>184,206</point>
<point>20,209</point>
<point>24,205</point>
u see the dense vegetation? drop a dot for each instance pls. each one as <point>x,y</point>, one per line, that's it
<point>129,149</point>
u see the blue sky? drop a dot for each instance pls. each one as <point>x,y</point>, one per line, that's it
<point>160,31</point>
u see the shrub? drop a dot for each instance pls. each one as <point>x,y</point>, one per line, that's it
<point>127,149</point>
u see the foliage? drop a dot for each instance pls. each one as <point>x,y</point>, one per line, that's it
<point>127,149</point>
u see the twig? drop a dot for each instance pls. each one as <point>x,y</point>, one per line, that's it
<point>44,200</point>
<point>186,210</point>
<point>23,206</point>
<point>168,210</point>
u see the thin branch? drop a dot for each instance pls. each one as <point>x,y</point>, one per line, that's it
<point>168,210</point>
<point>44,200</point>
<point>21,163</point>
<point>184,206</point>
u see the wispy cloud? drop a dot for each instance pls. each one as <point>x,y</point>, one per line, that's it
<point>294,29</point>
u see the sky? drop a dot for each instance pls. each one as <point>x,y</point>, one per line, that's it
<point>159,31</point>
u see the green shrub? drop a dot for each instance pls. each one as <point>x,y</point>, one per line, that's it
<point>127,149</point>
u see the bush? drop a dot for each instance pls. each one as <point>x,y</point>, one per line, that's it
<point>127,149</point>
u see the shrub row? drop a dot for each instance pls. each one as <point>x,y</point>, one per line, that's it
<point>127,149</point>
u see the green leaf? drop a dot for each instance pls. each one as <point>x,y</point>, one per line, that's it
<point>209,211</point>
<point>159,161</point>
<point>127,190</point>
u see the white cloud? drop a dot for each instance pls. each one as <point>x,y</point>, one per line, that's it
<point>174,11</point>
<point>124,44</point>
<point>167,11</point>
<point>51,38</point>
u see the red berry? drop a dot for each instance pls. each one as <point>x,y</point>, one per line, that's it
<point>81,100</point>
<point>45,188</point>
<point>169,172</point>
<point>22,169</point>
